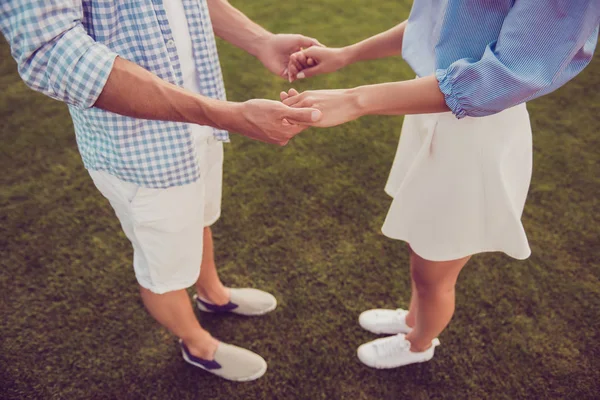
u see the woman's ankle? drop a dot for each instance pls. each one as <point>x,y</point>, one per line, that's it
<point>418,345</point>
<point>410,319</point>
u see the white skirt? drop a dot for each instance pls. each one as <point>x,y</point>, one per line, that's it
<point>459,186</point>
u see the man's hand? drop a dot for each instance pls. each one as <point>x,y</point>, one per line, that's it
<point>316,60</point>
<point>270,121</point>
<point>274,51</point>
<point>338,106</point>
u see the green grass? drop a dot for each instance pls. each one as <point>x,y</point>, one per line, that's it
<point>304,223</point>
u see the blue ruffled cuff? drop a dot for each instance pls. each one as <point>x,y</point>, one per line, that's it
<point>451,98</point>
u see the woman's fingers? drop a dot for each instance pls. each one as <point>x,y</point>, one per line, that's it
<point>301,58</point>
<point>293,98</point>
<point>296,60</point>
<point>292,101</point>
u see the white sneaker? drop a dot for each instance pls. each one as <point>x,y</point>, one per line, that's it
<point>381,321</point>
<point>393,352</point>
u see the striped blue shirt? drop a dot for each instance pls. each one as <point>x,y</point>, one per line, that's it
<point>492,55</point>
<point>66,49</point>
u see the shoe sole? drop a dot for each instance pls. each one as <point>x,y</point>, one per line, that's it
<point>435,342</point>
<point>206,310</point>
<point>378,332</point>
<point>393,366</point>
<point>245,379</point>
<point>406,332</point>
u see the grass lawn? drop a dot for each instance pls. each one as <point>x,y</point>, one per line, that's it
<point>304,223</point>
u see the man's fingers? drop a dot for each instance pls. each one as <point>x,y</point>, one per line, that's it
<point>292,72</point>
<point>293,92</point>
<point>315,42</point>
<point>303,116</point>
<point>283,95</point>
<point>307,42</point>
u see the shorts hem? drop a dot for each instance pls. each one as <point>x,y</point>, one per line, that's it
<point>162,289</point>
<point>208,223</point>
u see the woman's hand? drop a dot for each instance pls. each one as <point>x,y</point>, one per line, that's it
<point>316,60</point>
<point>337,106</point>
<point>275,51</point>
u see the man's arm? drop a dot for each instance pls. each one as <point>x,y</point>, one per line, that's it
<point>273,50</point>
<point>57,57</point>
<point>231,25</point>
<point>135,92</point>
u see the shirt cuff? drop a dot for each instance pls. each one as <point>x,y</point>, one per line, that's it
<point>79,68</point>
<point>446,85</point>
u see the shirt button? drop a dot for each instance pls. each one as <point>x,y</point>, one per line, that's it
<point>170,43</point>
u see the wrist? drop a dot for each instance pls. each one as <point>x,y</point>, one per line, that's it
<point>350,54</point>
<point>221,114</point>
<point>358,98</point>
<point>259,42</point>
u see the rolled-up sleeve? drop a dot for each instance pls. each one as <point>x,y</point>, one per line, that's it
<point>541,46</point>
<point>54,53</point>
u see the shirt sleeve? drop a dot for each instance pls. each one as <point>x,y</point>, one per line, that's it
<point>54,53</point>
<point>541,46</point>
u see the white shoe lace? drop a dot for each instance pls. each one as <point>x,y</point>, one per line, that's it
<point>391,346</point>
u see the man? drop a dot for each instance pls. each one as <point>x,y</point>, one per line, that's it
<point>125,68</point>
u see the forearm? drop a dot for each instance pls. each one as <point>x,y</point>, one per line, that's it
<point>135,92</point>
<point>234,27</point>
<point>416,96</point>
<point>385,44</point>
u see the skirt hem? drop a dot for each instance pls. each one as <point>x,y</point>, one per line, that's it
<point>425,255</point>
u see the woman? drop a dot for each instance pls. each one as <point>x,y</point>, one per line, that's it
<point>459,179</point>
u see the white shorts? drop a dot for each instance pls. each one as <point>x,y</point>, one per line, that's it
<point>459,186</point>
<point>166,226</point>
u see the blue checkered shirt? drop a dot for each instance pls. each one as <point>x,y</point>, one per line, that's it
<point>66,49</point>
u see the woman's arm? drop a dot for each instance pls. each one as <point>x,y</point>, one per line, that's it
<point>416,96</point>
<point>541,46</point>
<point>538,50</point>
<point>385,44</point>
<point>319,60</point>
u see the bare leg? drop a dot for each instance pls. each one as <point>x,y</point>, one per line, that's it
<point>174,311</point>
<point>208,285</point>
<point>411,317</point>
<point>434,283</point>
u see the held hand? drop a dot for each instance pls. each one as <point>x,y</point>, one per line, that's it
<point>275,51</point>
<point>338,106</point>
<point>316,60</point>
<point>273,122</point>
